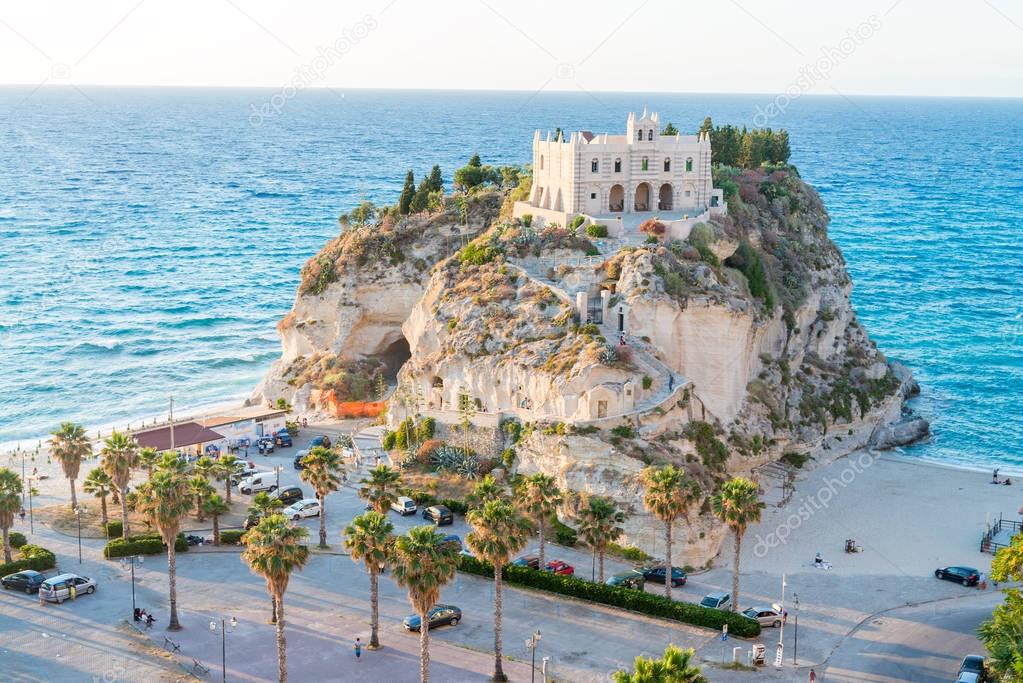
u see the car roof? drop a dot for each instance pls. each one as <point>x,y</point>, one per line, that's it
<point>441,508</point>
<point>717,595</point>
<point>760,608</point>
<point>63,577</point>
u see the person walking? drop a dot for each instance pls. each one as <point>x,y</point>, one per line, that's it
<point>813,676</point>
<point>358,649</point>
<point>74,591</point>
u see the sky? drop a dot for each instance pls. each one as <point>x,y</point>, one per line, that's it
<point>886,47</point>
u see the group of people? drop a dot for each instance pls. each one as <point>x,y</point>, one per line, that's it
<point>820,563</point>
<point>141,616</point>
<point>995,480</point>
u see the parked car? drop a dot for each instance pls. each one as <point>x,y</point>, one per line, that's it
<point>559,567</point>
<point>630,579</point>
<point>716,600</point>
<point>298,459</point>
<point>453,540</point>
<point>245,471</point>
<point>319,441</point>
<point>260,481</point>
<point>27,581</point>
<point>530,561</point>
<point>307,507</point>
<point>404,506</point>
<point>439,615</point>
<point>288,494</point>
<point>656,575</point>
<point>439,515</point>
<point>283,439</point>
<point>767,616</point>
<point>58,589</point>
<point>972,667</point>
<point>968,576</point>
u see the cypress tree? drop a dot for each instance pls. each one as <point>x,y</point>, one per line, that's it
<point>435,182</point>
<point>707,126</point>
<point>421,200</point>
<point>407,193</point>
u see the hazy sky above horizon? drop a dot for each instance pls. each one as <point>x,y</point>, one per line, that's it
<point>886,47</point>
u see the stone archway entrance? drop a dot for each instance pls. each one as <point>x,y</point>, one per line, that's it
<point>616,200</point>
<point>642,197</point>
<point>665,198</point>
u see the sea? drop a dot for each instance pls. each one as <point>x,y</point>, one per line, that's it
<point>151,238</point>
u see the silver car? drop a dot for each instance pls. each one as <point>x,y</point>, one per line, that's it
<point>767,616</point>
<point>58,589</point>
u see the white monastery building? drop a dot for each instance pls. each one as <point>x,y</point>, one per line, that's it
<point>621,180</point>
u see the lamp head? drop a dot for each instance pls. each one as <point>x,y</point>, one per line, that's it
<point>213,627</point>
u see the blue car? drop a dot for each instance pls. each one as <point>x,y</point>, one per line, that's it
<point>320,441</point>
<point>439,615</point>
<point>453,540</point>
<point>283,439</point>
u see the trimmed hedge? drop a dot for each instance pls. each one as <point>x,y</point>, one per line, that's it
<point>113,529</point>
<point>145,544</point>
<point>616,596</point>
<point>459,507</point>
<point>16,539</point>
<point>231,536</point>
<point>31,557</point>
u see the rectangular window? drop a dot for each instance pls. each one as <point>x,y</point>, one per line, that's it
<point>646,164</point>
<point>593,195</point>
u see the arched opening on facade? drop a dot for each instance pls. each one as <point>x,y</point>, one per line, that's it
<point>616,200</point>
<point>642,197</point>
<point>665,198</point>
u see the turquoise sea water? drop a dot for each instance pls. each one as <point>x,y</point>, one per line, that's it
<point>151,238</point>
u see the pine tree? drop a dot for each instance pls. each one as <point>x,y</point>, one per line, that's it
<point>435,182</point>
<point>707,126</point>
<point>407,193</point>
<point>421,199</point>
<point>669,129</point>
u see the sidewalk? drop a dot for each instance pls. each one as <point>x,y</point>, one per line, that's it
<point>319,650</point>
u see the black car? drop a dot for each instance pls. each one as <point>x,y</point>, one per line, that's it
<point>288,495</point>
<point>968,576</point>
<point>438,514</point>
<point>973,664</point>
<point>298,459</point>
<point>630,579</point>
<point>656,575</point>
<point>27,581</point>
<point>439,615</point>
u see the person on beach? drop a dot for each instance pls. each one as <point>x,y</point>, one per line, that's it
<point>358,649</point>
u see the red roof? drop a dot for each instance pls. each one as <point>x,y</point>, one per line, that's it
<point>185,434</point>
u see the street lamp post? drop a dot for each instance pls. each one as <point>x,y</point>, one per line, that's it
<point>531,643</point>
<point>131,560</point>
<point>795,631</point>
<point>223,642</point>
<point>31,514</point>
<point>79,511</point>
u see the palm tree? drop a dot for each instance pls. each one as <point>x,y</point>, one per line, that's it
<point>204,467</point>
<point>368,538</point>
<point>214,506</point>
<point>499,531</point>
<point>485,490</point>
<point>201,490</point>
<point>423,563</point>
<point>163,501</point>
<point>120,455</point>
<point>380,488</point>
<point>225,467</point>
<point>263,505</point>
<point>540,499</point>
<point>98,483</point>
<point>273,549</point>
<point>738,505</point>
<point>148,459</point>
<point>10,504</point>
<point>666,497</point>
<point>70,447</point>
<point>322,470</point>
<point>598,525</point>
<point>676,666</point>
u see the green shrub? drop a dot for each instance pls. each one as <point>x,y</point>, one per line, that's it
<point>628,552</point>
<point>596,230</point>
<point>459,507</point>
<point>564,534</point>
<point>576,222</point>
<point>590,329</point>
<point>508,458</point>
<point>797,460</point>
<point>30,557</point>
<point>477,254</point>
<point>615,596</point>
<point>624,432</point>
<point>422,497</point>
<point>144,544</point>
<point>648,382</point>
<point>231,536</point>
<point>113,529</point>
<point>713,452</point>
<point>16,539</point>
<point>390,438</point>
<point>527,219</point>
<point>425,429</point>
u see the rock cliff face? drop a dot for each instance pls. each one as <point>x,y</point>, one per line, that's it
<point>591,359</point>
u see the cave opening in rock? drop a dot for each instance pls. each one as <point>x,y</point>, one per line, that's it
<point>393,357</point>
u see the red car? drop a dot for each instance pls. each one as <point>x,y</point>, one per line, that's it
<point>559,567</point>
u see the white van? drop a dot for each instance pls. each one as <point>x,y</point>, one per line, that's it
<point>404,506</point>
<point>260,481</point>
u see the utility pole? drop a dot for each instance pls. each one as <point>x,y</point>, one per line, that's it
<point>781,629</point>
